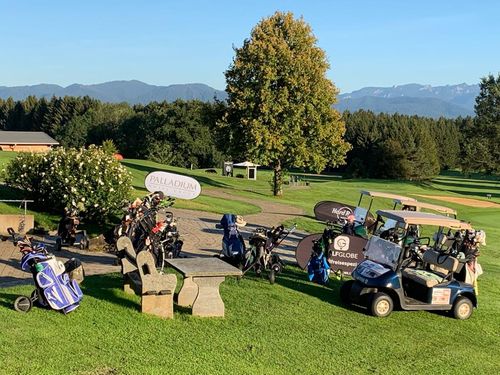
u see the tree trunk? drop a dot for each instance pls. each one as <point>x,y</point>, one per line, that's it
<point>278,180</point>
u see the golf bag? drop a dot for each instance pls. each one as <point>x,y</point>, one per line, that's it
<point>318,268</point>
<point>68,231</point>
<point>467,251</point>
<point>233,245</point>
<point>56,282</point>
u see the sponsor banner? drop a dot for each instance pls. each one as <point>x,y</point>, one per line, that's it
<point>332,211</point>
<point>345,252</point>
<point>304,249</point>
<point>173,185</point>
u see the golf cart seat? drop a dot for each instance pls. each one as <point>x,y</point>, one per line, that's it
<point>433,278</point>
<point>445,242</point>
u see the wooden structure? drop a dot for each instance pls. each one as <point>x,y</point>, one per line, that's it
<point>141,277</point>
<point>202,277</point>
<point>26,141</point>
<point>251,169</point>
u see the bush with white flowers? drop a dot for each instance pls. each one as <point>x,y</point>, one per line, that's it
<point>88,180</point>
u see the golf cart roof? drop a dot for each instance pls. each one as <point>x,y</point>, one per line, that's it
<point>378,194</point>
<point>423,218</point>
<point>434,207</point>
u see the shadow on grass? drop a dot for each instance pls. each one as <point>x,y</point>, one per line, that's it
<point>466,185</point>
<point>203,180</point>
<point>9,192</point>
<point>475,194</point>
<point>466,180</point>
<point>472,176</point>
<point>104,287</point>
<point>7,299</point>
<point>297,280</point>
<point>433,186</point>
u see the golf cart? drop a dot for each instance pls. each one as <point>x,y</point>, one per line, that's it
<point>403,268</point>
<point>412,205</point>
<point>347,231</point>
<point>377,194</point>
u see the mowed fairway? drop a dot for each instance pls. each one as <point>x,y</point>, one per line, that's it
<point>291,327</point>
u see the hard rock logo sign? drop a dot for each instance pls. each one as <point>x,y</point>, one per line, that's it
<point>332,211</point>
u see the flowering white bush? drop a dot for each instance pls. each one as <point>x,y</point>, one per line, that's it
<point>88,180</point>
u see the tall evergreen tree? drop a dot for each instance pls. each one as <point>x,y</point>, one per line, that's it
<point>480,151</point>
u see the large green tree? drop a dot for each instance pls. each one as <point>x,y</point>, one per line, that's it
<point>280,101</point>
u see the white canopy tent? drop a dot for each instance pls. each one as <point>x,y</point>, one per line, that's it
<point>251,169</point>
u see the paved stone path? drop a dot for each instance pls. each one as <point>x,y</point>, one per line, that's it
<point>197,229</point>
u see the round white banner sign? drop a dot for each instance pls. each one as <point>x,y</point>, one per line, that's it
<point>173,185</point>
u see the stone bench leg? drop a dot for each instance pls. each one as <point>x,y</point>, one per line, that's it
<point>161,305</point>
<point>127,286</point>
<point>188,293</point>
<point>208,302</point>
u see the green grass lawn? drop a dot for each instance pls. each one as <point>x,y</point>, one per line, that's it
<point>287,328</point>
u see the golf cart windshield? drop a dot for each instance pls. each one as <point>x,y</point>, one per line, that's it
<point>382,251</point>
<point>360,214</point>
<point>388,224</point>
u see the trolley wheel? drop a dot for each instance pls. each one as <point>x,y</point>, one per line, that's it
<point>277,267</point>
<point>272,276</point>
<point>23,304</point>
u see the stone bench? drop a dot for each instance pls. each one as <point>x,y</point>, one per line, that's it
<point>141,277</point>
<point>200,288</point>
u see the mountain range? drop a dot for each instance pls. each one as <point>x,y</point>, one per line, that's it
<point>411,99</point>
<point>132,92</point>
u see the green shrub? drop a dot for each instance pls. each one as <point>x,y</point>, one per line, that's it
<point>88,180</point>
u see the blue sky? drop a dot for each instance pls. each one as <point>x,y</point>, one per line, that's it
<point>368,43</point>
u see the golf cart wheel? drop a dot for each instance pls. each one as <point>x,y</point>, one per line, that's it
<point>381,305</point>
<point>462,308</point>
<point>23,304</point>
<point>345,292</point>
<point>272,276</point>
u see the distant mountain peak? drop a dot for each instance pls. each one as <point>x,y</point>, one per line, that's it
<point>413,99</point>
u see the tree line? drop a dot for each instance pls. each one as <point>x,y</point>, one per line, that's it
<point>185,133</point>
<point>181,133</point>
